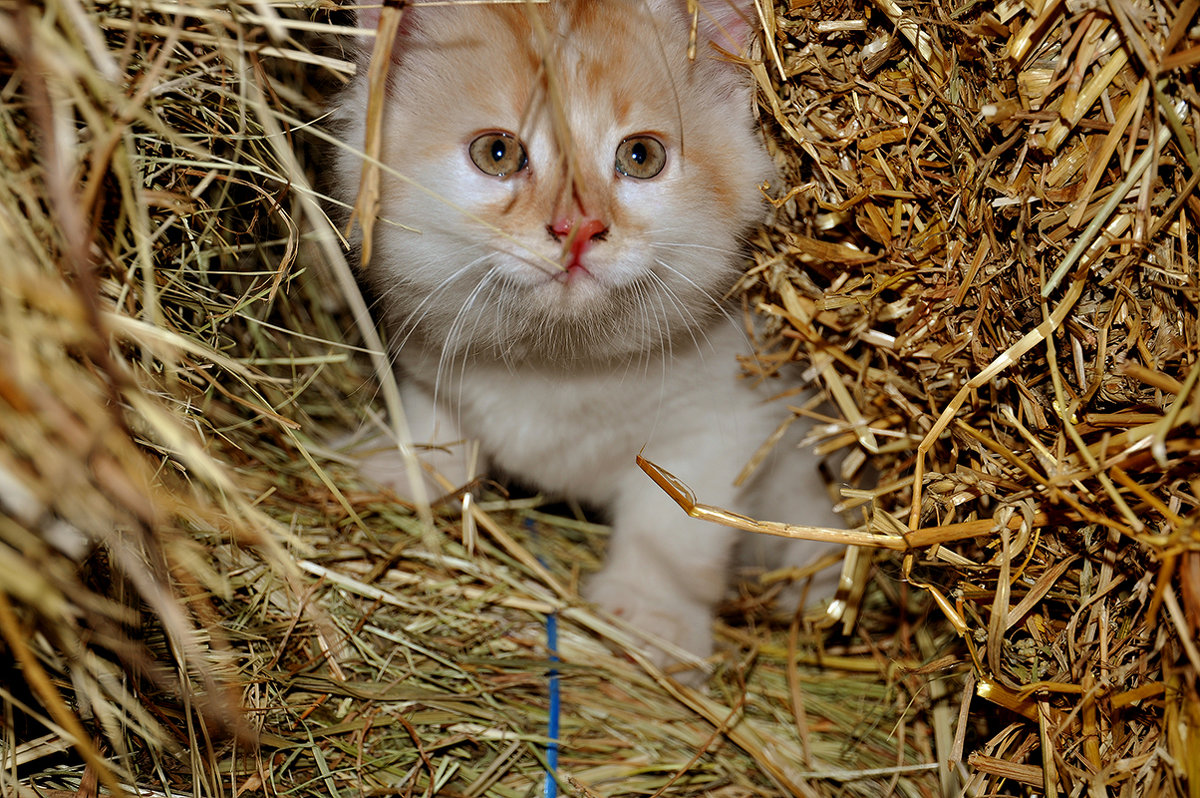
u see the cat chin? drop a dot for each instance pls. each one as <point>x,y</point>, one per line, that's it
<point>571,299</point>
<point>605,336</point>
<point>578,292</point>
<point>575,292</point>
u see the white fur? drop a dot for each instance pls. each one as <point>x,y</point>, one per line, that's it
<point>576,433</point>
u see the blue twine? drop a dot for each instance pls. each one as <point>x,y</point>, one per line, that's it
<point>550,788</point>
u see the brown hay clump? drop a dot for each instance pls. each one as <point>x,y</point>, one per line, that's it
<point>196,595</point>
<point>990,253</point>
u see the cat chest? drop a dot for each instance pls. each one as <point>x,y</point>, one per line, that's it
<point>571,437</point>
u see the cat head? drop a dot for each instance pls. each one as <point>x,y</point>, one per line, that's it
<point>563,182</point>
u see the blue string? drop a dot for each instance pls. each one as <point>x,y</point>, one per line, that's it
<point>550,788</point>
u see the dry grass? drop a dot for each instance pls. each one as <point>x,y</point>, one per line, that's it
<point>997,223</point>
<point>984,247</point>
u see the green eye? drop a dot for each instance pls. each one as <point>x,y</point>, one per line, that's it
<point>642,157</point>
<point>498,154</point>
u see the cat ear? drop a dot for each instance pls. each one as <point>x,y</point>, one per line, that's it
<point>732,24</point>
<point>368,12</point>
<point>729,24</point>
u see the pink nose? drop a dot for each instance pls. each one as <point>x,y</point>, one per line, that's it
<point>586,231</point>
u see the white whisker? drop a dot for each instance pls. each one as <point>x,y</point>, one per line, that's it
<point>428,303</point>
<point>452,343</point>
<point>693,326</point>
<point>716,303</point>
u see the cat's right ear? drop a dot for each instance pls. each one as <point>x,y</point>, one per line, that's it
<point>368,13</point>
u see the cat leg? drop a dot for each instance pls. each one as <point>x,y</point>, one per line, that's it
<point>787,487</point>
<point>664,572</point>
<point>794,560</point>
<point>440,448</point>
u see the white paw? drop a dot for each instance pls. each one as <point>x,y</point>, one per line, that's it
<point>658,611</point>
<point>380,461</point>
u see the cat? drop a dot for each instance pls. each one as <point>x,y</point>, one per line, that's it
<point>553,270</point>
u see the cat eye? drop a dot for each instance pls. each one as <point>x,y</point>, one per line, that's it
<point>498,154</point>
<point>642,157</point>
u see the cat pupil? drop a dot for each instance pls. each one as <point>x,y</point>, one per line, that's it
<point>638,153</point>
<point>498,150</point>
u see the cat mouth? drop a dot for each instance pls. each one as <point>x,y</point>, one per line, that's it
<point>573,272</point>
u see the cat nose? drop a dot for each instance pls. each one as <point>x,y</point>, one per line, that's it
<point>580,232</point>
<point>578,235</point>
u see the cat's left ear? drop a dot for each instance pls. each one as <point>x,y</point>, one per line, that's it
<point>729,24</point>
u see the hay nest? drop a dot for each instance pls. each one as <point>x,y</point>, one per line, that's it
<point>983,248</point>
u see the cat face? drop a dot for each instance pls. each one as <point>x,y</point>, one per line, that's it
<point>567,185</point>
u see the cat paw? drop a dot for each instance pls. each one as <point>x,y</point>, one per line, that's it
<point>661,614</point>
<point>380,461</point>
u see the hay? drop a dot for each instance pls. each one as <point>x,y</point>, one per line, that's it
<point>197,596</point>
<point>995,212</point>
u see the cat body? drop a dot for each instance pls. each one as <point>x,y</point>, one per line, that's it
<point>560,222</point>
<point>576,433</point>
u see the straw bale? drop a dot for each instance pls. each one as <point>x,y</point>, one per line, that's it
<point>991,245</point>
<point>983,248</point>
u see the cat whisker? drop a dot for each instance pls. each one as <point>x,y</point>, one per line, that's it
<point>492,280</point>
<point>723,251</point>
<point>641,359</point>
<point>453,343</point>
<point>666,342</point>
<point>664,350</point>
<point>720,306</point>
<point>672,236</point>
<point>545,265</point>
<point>426,306</point>
<point>505,338</point>
<point>693,326</point>
<point>495,282</point>
<point>412,322</point>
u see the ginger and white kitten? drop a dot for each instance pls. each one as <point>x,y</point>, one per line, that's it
<point>553,266</point>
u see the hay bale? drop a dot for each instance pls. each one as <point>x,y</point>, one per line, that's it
<point>982,247</point>
<point>992,249</point>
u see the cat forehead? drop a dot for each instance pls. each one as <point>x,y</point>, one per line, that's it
<point>582,40</point>
<point>512,58</point>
